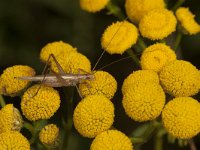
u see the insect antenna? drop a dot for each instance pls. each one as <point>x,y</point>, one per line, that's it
<point>108,45</point>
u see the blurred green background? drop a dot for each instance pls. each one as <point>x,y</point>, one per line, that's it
<point>27,25</point>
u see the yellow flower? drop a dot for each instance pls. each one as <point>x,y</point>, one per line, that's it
<point>157,24</point>
<point>93,115</point>
<point>10,119</point>
<point>57,48</point>
<point>72,63</point>
<point>186,19</point>
<point>49,135</point>
<point>156,56</point>
<point>40,105</point>
<point>144,101</point>
<point>103,83</point>
<point>146,76</point>
<point>13,140</point>
<point>136,9</point>
<point>180,78</point>
<point>111,139</point>
<point>93,5</point>
<point>9,84</point>
<point>119,37</point>
<point>181,117</point>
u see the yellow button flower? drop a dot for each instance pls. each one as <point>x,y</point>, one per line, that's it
<point>146,76</point>
<point>136,9</point>
<point>9,84</point>
<point>119,37</point>
<point>41,105</point>
<point>144,101</point>
<point>93,115</point>
<point>111,140</point>
<point>57,48</point>
<point>186,19</point>
<point>181,117</point>
<point>93,5</point>
<point>103,83</point>
<point>180,78</point>
<point>10,119</point>
<point>157,24</point>
<point>72,63</point>
<point>49,135</point>
<point>13,140</point>
<point>156,56</point>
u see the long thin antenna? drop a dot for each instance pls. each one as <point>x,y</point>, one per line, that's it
<point>114,62</point>
<point>108,45</point>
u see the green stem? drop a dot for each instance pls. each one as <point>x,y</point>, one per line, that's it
<point>152,127</point>
<point>133,56</point>
<point>178,4</point>
<point>28,126</point>
<point>136,140</point>
<point>159,139</point>
<point>141,43</point>
<point>178,40</point>
<point>2,101</point>
<point>115,10</point>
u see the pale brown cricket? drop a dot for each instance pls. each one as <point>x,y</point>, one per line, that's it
<point>66,79</point>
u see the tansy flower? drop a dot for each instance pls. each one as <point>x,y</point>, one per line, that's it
<point>57,48</point>
<point>157,24</point>
<point>10,119</point>
<point>93,115</point>
<point>136,9</point>
<point>40,104</point>
<point>72,63</point>
<point>9,84</point>
<point>181,117</point>
<point>144,101</point>
<point>111,139</point>
<point>119,37</point>
<point>146,76</point>
<point>180,78</point>
<point>93,5</point>
<point>187,21</point>
<point>49,135</point>
<point>103,83</point>
<point>13,140</point>
<point>156,56</point>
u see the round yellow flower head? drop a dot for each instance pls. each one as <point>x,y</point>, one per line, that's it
<point>119,37</point>
<point>49,135</point>
<point>57,48</point>
<point>180,78</point>
<point>187,21</point>
<point>103,83</point>
<point>157,24</point>
<point>181,117</point>
<point>10,119</point>
<point>9,84</point>
<point>156,56</point>
<point>40,105</point>
<point>93,115</point>
<point>144,101</point>
<point>13,140</point>
<point>72,63</point>
<point>136,9</point>
<point>146,76</point>
<point>93,5</point>
<point>111,139</point>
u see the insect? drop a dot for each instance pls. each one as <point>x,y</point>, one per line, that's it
<point>66,79</point>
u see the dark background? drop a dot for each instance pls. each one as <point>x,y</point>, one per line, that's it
<point>27,25</point>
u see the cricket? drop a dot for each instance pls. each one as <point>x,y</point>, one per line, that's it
<point>62,79</point>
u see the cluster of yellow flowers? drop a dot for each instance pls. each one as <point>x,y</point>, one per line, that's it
<point>144,91</point>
